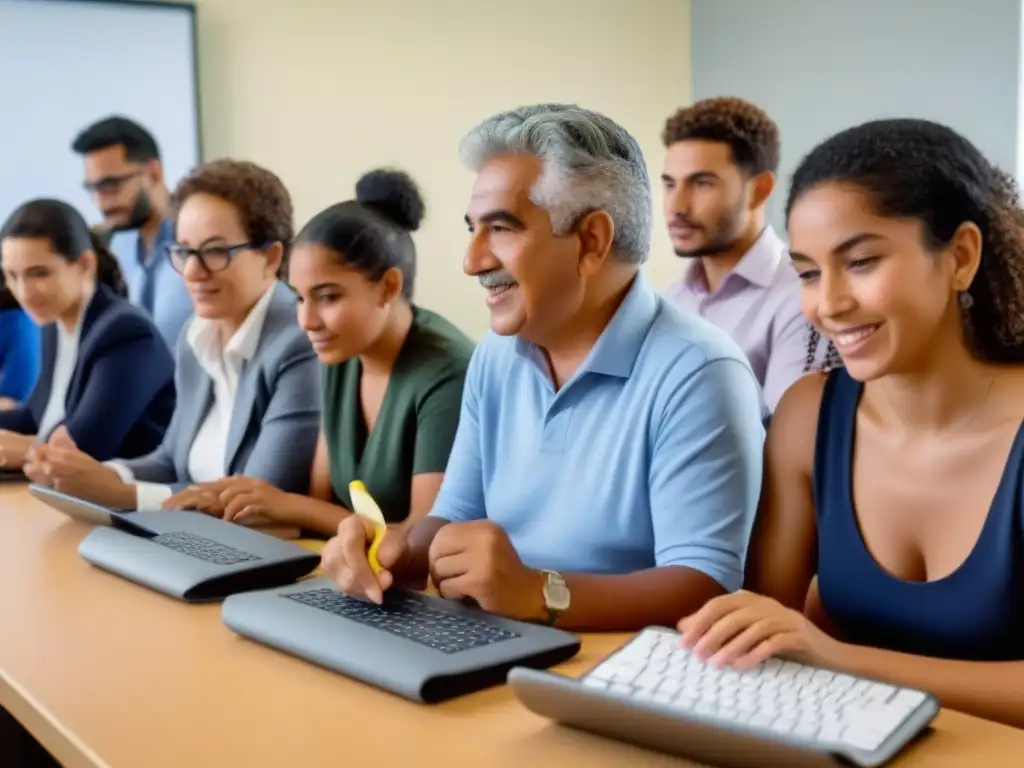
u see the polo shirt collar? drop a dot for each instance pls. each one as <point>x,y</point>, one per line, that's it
<point>618,346</point>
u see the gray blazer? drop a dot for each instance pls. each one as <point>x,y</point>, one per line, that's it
<point>276,418</point>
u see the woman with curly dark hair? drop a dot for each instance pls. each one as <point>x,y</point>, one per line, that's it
<point>393,372</point>
<point>249,399</point>
<point>888,543</point>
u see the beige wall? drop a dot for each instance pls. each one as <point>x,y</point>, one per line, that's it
<point>322,90</point>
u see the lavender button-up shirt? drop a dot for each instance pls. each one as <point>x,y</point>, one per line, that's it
<point>758,304</point>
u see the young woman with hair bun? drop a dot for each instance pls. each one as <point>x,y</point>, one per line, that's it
<point>393,372</point>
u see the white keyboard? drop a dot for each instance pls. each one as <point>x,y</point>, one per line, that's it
<point>806,707</point>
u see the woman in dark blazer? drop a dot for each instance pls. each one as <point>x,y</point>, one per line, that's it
<point>107,378</point>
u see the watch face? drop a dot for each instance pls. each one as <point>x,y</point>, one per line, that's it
<point>556,593</point>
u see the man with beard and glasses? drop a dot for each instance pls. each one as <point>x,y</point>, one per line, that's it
<point>720,164</point>
<point>608,457</point>
<point>124,175</point>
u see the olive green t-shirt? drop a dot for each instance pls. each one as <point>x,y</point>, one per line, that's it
<point>416,425</point>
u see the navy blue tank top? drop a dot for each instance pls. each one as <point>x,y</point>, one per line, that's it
<point>975,613</point>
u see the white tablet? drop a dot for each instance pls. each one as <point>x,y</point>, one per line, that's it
<point>73,507</point>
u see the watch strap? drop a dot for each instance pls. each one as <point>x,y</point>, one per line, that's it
<point>553,613</point>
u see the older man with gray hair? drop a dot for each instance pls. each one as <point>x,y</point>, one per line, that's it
<point>607,464</point>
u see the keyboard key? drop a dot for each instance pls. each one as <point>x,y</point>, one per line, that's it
<point>907,699</point>
<point>863,738</point>
<point>411,619</point>
<point>203,548</point>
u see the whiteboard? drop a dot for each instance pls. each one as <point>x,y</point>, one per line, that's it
<point>67,63</point>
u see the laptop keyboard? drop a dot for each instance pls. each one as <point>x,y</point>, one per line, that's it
<point>410,619</point>
<point>202,548</point>
<point>776,697</point>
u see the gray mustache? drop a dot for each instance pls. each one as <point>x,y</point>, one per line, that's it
<point>496,278</point>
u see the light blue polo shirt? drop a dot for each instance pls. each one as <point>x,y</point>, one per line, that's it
<point>651,455</point>
<point>152,282</point>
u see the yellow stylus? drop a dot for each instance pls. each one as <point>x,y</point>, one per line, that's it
<point>364,506</point>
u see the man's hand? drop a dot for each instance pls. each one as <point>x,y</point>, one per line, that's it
<point>75,473</point>
<point>476,561</point>
<point>344,558</point>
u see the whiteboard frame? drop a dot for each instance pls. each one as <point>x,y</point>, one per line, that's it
<point>189,9</point>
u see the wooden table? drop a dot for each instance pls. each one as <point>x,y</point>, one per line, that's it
<point>107,673</point>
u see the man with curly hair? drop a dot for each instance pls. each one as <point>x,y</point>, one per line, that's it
<point>720,164</point>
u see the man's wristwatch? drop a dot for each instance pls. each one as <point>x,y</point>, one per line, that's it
<point>556,595</point>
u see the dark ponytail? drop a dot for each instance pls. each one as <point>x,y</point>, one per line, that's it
<point>108,270</point>
<point>69,236</point>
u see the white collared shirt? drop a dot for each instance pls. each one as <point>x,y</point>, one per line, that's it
<point>63,369</point>
<point>223,363</point>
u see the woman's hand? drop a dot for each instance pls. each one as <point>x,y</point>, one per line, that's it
<point>198,497</point>
<point>75,473</point>
<point>13,448</point>
<point>246,500</point>
<point>742,629</point>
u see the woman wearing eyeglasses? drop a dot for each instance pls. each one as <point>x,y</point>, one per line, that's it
<point>393,371</point>
<point>248,379</point>
<point>107,377</point>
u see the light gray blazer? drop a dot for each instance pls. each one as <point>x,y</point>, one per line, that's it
<point>276,418</point>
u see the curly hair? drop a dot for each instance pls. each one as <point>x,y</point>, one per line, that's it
<point>260,197</point>
<point>917,169</point>
<point>752,136</point>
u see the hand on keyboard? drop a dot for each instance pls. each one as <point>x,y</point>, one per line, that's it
<point>824,710</point>
<point>344,559</point>
<point>743,629</point>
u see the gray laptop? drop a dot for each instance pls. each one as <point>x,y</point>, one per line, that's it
<point>77,509</point>
<point>422,648</point>
<point>194,557</point>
